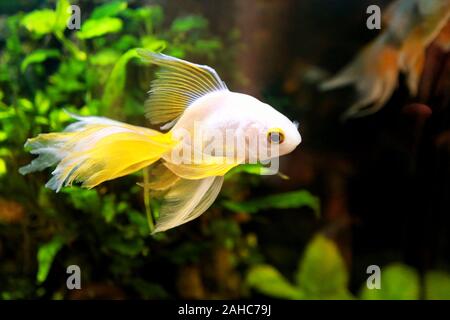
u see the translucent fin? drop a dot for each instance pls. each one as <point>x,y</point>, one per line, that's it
<point>374,72</point>
<point>443,39</point>
<point>412,53</point>
<point>161,178</point>
<point>200,171</point>
<point>187,200</point>
<point>178,84</point>
<point>94,150</point>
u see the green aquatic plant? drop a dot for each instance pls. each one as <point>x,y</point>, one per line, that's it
<point>47,69</point>
<point>322,274</point>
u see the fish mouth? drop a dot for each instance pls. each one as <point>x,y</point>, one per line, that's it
<point>298,137</point>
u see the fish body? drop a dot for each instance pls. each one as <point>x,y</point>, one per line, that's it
<point>210,131</point>
<point>237,114</point>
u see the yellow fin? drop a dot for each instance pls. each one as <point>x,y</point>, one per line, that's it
<point>94,150</point>
<point>161,178</point>
<point>200,171</point>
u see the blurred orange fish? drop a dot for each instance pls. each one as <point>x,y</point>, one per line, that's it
<point>411,26</point>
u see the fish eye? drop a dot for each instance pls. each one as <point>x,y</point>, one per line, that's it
<point>275,136</point>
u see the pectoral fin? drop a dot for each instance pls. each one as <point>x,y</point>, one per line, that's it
<point>187,200</point>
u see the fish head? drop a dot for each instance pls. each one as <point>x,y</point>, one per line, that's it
<point>276,134</point>
<point>280,132</point>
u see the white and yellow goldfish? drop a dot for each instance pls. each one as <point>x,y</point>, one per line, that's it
<point>184,97</point>
<point>411,26</point>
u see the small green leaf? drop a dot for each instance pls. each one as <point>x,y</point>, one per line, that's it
<point>98,27</point>
<point>45,256</point>
<point>207,46</point>
<point>267,280</point>
<point>86,200</point>
<point>38,56</point>
<point>251,168</point>
<point>104,57</point>
<point>294,199</point>
<point>437,285</point>
<point>152,15</point>
<point>398,282</point>
<point>110,9</point>
<point>322,272</point>
<point>5,152</point>
<point>3,168</point>
<point>40,22</point>
<point>116,81</point>
<point>189,23</point>
<point>42,103</point>
<point>140,221</point>
<point>153,44</point>
<point>109,208</point>
<point>62,15</point>
<point>3,136</point>
<point>25,104</point>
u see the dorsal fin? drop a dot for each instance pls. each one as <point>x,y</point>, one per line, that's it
<point>178,83</point>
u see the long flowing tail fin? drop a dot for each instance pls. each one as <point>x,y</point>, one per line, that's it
<point>95,149</point>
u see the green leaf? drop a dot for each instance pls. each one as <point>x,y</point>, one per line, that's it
<point>116,81</point>
<point>109,208</point>
<point>98,27</point>
<point>58,118</point>
<point>153,44</point>
<point>62,15</point>
<point>104,57</point>
<point>86,200</point>
<point>3,168</point>
<point>126,247</point>
<point>294,199</point>
<point>437,285</point>
<point>38,56</point>
<point>3,136</point>
<point>207,46</point>
<point>40,22</point>
<point>42,103</point>
<point>189,23</point>
<point>322,272</point>
<point>45,256</point>
<point>177,52</point>
<point>251,168</point>
<point>267,280</point>
<point>398,282</point>
<point>25,104</point>
<point>152,15</point>
<point>140,221</point>
<point>109,9</point>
